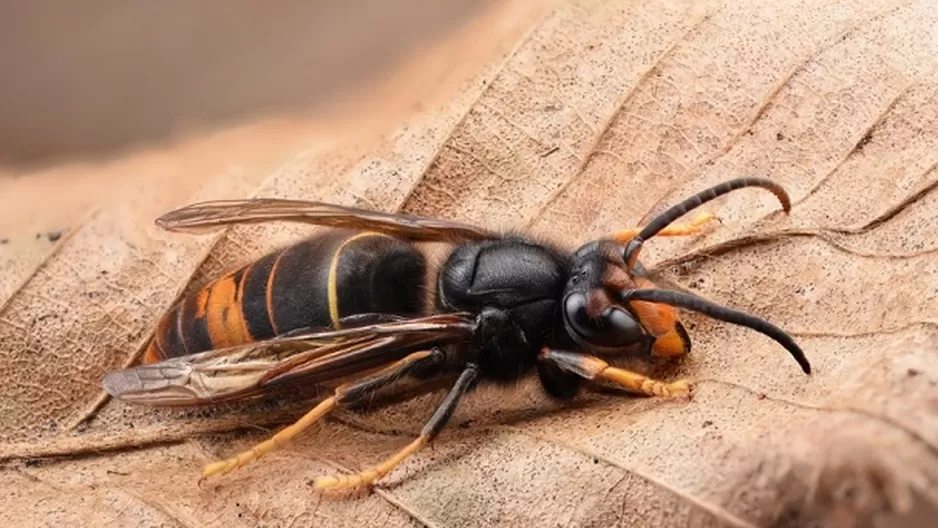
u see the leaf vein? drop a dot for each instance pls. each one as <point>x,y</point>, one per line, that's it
<point>884,419</point>
<point>716,510</point>
<point>607,124</point>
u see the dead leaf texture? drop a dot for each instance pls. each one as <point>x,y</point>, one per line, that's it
<point>602,112</point>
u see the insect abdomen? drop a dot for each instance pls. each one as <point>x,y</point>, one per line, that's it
<point>311,284</point>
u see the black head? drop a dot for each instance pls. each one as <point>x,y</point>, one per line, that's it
<point>607,305</point>
<point>591,316</point>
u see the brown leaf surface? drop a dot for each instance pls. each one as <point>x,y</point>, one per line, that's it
<point>601,113</point>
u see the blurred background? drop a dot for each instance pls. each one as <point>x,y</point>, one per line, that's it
<point>87,79</point>
<point>102,98</point>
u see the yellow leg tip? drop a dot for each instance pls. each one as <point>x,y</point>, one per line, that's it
<point>215,468</point>
<point>231,464</point>
<point>660,389</point>
<point>702,220</point>
<point>703,217</point>
<point>678,388</point>
<point>326,483</point>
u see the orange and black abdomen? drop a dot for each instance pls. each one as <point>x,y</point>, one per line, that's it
<point>311,284</point>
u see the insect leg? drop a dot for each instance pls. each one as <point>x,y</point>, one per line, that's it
<point>593,368</point>
<point>429,432</point>
<point>693,227</point>
<point>344,394</point>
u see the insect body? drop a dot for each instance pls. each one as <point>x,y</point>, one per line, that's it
<point>311,284</point>
<point>347,307</point>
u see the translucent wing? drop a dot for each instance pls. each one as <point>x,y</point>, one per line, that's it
<point>307,358</point>
<point>206,216</point>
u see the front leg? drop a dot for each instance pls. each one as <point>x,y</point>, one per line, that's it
<point>593,368</point>
<point>557,382</point>
<point>694,227</point>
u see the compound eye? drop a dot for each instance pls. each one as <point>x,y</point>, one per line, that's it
<point>613,328</point>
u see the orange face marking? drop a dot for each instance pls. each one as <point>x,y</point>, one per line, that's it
<point>224,318</point>
<point>661,321</point>
<point>657,319</point>
<point>671,344</point>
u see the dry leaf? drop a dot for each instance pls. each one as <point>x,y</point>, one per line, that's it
<point>601,113</point>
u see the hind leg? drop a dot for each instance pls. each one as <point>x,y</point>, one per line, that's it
<point>429,432</point>
<point>343,395</point>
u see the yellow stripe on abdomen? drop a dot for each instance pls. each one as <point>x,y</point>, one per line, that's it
<point>333,287</point>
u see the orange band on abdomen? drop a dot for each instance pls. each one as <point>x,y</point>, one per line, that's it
<point>223,316</point>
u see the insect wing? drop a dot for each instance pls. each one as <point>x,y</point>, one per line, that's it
<point>251,370</point>
<point>208,216</point>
